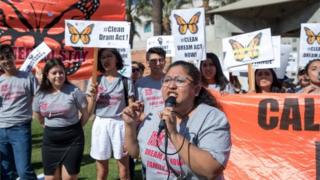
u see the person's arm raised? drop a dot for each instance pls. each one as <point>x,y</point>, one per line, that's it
<point>131,115</point>
<point>91,98</point>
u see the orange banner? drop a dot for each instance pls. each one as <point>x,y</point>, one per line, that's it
<point>274,136</point>
<point>26,23</point>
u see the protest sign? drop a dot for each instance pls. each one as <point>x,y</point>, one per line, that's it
<point>33,22</point>
<point>188,31</point>
<point>126,57</point>
<point>35,57</point>
<point>281,71</point>
<point>309,43</point>
<point>102,34</point>
<point>248,48</point>
<point>271,63</point>
<point>164,42</point>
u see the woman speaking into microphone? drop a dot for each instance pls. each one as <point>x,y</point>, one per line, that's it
<point>195,142</point>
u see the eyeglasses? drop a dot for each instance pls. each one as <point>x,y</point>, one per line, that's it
<point>178,81</point>
<point>135,70</point>
<point>157,60</point>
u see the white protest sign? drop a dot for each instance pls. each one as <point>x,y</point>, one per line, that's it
<point>102,34</point>
<point>164,42</point>
<point>281,71</point>
<point>188,31</point>
<point>126,56</point>
<point>293,62</point>
<point>272,63</point>
<point>248,48</point>
<point>36,55</point>
<point>309,43</point>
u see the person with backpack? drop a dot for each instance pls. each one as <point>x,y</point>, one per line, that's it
<point>112,94</point>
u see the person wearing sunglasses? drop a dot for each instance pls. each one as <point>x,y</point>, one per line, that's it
<point>137,71</point>
<point>17,89</point>
<point>196,141</point>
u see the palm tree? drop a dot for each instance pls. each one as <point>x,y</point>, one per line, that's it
<point>161,11</point>
<point>133,19</point>
<point>168,6</point>
<point>157,17</point>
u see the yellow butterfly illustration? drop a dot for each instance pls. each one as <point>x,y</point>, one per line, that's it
<point>84,36</point>
<point>191,25</point>
<point>312,37</point>
<point>251,50</point>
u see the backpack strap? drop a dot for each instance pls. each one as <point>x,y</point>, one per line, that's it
<point>125,88</point>
<point>99,79</point>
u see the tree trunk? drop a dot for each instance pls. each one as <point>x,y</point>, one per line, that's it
<point>157,17</point>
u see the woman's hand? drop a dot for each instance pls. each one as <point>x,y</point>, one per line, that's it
<point>311,89</point>
<point>169,116</point>
<point>93,90</point>
<point>131,114</point>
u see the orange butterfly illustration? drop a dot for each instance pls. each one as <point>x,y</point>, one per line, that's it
<point>84,36</point>
<point>312,37</point>
<point>191,25</point>
<point>240,51</point>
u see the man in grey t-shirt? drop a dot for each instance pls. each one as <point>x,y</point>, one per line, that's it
<point>16,91</point>
<point>148,88</point>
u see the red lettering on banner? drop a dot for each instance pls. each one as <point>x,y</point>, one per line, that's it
<point>66,55</point>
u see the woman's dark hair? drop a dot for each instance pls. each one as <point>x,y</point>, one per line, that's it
<point>220,78</point>
<point>308,65</point>
<point>45,85</point>
<point>275,86</point>
<point>204,96</point>
<point>115,52</point>
<point>140,65</point>
<point>155,50</point>
<point>6,51</point>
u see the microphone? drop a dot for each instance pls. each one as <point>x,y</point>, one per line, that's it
<point>170,102</point>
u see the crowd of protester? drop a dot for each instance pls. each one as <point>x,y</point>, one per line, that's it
<point>127,112</point>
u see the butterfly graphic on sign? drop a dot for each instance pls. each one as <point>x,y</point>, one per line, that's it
<point>16,28</point>
<point>240,52</point>
<point>83,36</point>
<point>192,25</point>
<point>312,37</point>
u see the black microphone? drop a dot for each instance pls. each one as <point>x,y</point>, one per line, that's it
<point>170,102</point>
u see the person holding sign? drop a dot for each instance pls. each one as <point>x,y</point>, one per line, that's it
<point>266,81</point>
<point>57,105</point>
<point>17,89</point>
<point>313,72</point>
<point>113,93</point>
<point>195,143</point>
<point>212,76</point>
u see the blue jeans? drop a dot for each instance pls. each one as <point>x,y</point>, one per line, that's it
<point>15,152</point>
